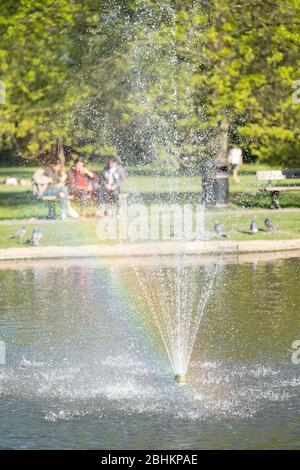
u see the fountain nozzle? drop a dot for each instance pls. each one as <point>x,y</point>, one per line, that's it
<point>181,378</point>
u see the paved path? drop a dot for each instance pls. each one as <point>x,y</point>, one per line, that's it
<point>172,248</point>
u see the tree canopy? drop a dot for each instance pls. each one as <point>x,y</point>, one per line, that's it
<point>169,83</point>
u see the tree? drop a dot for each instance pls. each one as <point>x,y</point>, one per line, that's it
<point>167,83</point>
<point>36,66</point>
<point>138,81</point>
<point>250,60</point>
<point>253,51</point>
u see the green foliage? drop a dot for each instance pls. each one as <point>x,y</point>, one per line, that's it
<point>36,37</point>
<point>165,83</point>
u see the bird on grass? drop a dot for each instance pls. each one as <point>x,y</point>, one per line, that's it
<point>269,225</point>
<point>253,227</point>
<point>220,231</point>
<point>20,234</point>
<point>35,238</point>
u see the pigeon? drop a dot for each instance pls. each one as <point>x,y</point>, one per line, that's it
<point>20,234</point>
<point>220,231</point>
<point>35,238</point>
<point>270,227</point>
<point>253,227</point>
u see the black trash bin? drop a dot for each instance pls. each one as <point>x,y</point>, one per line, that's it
<point>221,185</point>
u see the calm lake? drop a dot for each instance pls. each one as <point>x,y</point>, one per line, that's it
<point>86,367</point>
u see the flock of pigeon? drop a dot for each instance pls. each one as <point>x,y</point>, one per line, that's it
<point>220,232</point>
<point>269,227</point>
<point>34,240</point>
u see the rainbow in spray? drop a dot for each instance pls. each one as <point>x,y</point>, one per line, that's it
<point>173,300</point>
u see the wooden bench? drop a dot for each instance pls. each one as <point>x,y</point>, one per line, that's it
<point>51,202</point>
<point>275,190</point>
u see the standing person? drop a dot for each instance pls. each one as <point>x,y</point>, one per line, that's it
<point>81,183</point>
<point>112,179</point>
<point>50,181</point>
<point>235,159</point>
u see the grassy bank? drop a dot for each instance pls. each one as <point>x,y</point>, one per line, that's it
<point>17,202</point>
<point>246,200</point>
<point>84,232</point>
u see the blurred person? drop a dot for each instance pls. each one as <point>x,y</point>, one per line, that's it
<point>50,181</point>
<point>235,160</point>
<point>81,183</point>
<point>111,181</point>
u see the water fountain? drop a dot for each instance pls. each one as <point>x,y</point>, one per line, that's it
<point>176,298</point>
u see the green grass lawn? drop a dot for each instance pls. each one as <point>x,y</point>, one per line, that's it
<point>16,202</point>
<point>84,232</point>
<point>246,200</point>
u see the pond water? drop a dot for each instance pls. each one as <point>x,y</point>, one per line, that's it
<point>86,367</point>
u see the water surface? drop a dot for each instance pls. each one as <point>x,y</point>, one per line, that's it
<point>87,369</point>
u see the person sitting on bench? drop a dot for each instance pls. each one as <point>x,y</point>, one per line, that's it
<point>111,181</point>
<point>81,183</point>
<point>50,182</point>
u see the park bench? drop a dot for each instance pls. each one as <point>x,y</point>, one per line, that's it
<point>275,190</point>
<point>51,202</point>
